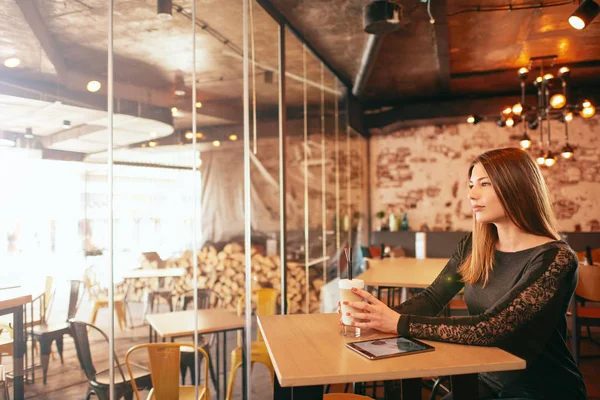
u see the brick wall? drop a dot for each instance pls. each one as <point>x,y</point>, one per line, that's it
<point>423,171</point>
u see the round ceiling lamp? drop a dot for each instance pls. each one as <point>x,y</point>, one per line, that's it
<point>12,62</point>
<point>93,86</point>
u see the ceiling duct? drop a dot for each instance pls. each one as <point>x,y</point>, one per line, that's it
<point>379,18</point>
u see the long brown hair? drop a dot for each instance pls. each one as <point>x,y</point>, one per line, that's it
<point>521,189</point>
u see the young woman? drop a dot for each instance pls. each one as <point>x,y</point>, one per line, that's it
<point>518,279</point>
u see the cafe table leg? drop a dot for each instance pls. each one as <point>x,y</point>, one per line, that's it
<point>224,362</point>
<point>19,350</point>
<point>218,366</point>
<point>244,366</point>
<point>465,386</point>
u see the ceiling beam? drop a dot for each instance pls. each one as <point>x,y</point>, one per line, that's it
<point>444,111</point>
<point>38,26</point>
<point>442,44</point>
<point>472,74</point>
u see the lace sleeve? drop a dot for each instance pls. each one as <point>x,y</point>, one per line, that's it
<point>533,294</point>
<point>432,300</point>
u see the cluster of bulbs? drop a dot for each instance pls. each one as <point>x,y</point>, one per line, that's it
<point>552,104</point>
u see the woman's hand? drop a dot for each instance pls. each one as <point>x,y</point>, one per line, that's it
<point>372,313</point>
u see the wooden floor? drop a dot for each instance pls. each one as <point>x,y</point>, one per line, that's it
<point>68,381</point>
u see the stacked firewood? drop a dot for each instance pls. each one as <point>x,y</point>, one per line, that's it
<point>224,272</point>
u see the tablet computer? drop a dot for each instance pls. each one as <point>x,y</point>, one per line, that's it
<point>389,347</point>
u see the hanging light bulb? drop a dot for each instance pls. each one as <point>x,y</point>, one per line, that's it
<point>525,141</point>
<point>216,143</point>
<point>569,117</point>
<point>588,112</point>
<point>567,151</point>
<point>507,110</point>
<point>564,72</point>
<point>510,122</point>
<point>548,77</point>
<point>586,103</point>
<point>189,135</point>
<point>558,101</point>
<point>517,109</point>
<point>474,119</point>
<point>541,159</point>
<point>550,159</point>
<point>523,73</point>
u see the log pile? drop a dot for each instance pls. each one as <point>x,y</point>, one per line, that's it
<point>223,272</point>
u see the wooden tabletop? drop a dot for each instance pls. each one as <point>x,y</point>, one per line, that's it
<point>404,272</point>
<point>308,349</point>
<point>181,323</point>
<point>154,273</point>
<point>14,297</point>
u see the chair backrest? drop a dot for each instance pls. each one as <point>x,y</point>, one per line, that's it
<point>206,299</point>
<point>588,285</point>
<point>79,332</point>
<point>266,304</point>
<point>73,299</point>
<point>164,361</point>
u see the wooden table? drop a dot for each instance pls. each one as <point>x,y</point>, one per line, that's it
<point>218,321</point>
<point>308,351</point>
<point>403,273</point>
<point>12,302</point>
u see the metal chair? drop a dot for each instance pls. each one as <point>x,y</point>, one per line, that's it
<point>164,358</point>
<point>588,290</point>
<point>99,382</point>
<point>206,299</point>
<point>45,334</point>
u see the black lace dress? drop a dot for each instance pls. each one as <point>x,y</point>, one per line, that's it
<point>522,310</point>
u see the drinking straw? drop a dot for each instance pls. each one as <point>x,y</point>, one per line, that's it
<point>348,254</point>
<point>350,264</point>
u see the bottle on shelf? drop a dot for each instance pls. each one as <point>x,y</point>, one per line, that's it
<point>404,225</point>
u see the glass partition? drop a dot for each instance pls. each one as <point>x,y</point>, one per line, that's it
<point>122,149</point>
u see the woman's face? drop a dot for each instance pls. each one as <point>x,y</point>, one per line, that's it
<point>484,201</point>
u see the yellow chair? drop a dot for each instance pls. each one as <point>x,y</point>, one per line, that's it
<point>164,370</point>
<point>266,303</point>
<point>345,396</point>
<point>6,343</point>
<point>100,299</point>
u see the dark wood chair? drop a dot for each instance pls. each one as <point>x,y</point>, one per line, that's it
<point>588,290</point>
<point>99,381</point>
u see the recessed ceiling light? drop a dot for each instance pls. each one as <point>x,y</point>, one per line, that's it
<point>12,62</point>
<point>93,86</point>
<point>216,143</point>
<point>233,138</point>
<point>180,92</point>
<point>152,143</point>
